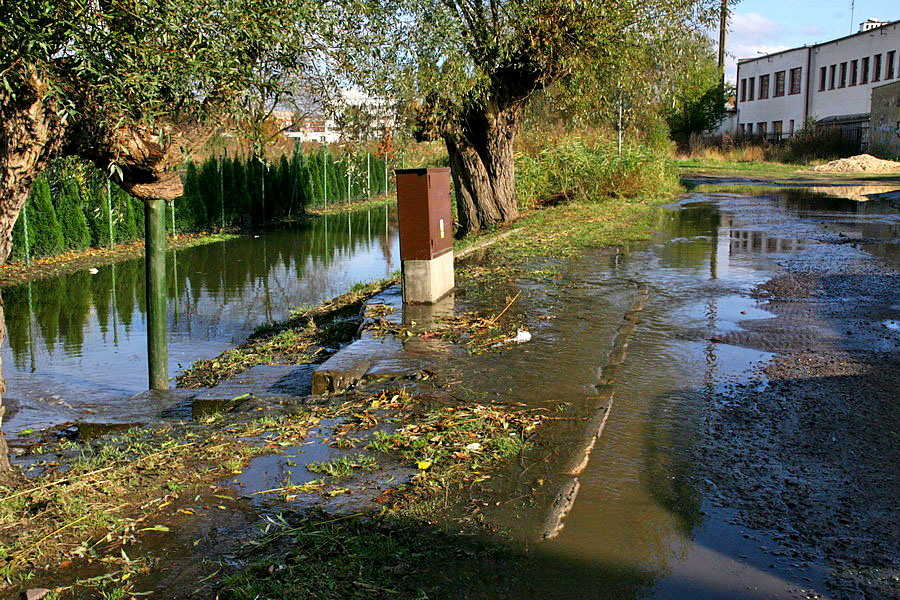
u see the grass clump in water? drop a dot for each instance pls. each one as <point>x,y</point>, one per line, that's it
<point>309,335</point>
<point>343,467</point>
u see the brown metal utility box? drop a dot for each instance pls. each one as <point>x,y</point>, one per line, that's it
<point>426,233</point>
<point>423,212</point>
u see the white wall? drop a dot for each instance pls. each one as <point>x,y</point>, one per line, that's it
<point>782,108</point>
<point>852,99</point>
<point>830,102</point>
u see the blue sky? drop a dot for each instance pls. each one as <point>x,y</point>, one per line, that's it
<point>773,25</point>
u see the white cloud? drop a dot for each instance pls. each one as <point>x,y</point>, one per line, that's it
<point>754,26</point>
<point>751,34</point>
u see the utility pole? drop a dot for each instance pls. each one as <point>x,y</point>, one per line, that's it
<point>723,24</point>
<point>325,177</point>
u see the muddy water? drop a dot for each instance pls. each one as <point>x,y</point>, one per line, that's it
<point>76,344</point>
<point>641,523</point>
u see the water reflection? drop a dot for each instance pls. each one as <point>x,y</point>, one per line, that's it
<point>78,341</point>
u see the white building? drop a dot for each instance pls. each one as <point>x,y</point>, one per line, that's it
<point>360,116</point>
<point>828,83</point>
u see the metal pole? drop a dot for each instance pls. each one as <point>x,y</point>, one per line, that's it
<point>325,177</point>
<point>174,263</point>
<point>109,211</point>
<point>619,127</point>
<point>263,186</point>
<point>368,175</point>
<point>27,244</point>
<point>155,252</point>
<point>222,187</point>
<point>386,182</point>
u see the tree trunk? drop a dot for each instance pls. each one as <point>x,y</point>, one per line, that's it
<point>483,167</point>
<point>30,134</point>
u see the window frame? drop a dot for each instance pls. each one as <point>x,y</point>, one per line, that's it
<point>763,87</point>
<point>798,80</point>
<point>779,84</point>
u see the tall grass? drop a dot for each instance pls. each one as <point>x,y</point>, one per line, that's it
<point>587,165</point>
<point>808,144</point>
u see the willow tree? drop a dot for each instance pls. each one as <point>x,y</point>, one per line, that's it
<point>469,68</point>
<point>133,85</point>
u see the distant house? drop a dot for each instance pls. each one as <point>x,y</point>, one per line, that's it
<point>361,117</point>
<point>830,83</point>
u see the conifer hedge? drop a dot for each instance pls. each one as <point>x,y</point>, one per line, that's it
<point>69,206</point>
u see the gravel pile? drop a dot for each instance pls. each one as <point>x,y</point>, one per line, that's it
<point>865,163</point>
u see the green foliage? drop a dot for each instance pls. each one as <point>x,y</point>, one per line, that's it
<point>44,233</point>
<point>70,213</point>
<point>588,167</point>
<point>136,62</point>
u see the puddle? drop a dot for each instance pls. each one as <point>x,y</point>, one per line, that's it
<point>642,520</point>
<point>76,344</point>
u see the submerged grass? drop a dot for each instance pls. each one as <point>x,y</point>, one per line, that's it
<point>309,335</point>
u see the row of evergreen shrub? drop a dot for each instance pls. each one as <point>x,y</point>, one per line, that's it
<point>69,204</point>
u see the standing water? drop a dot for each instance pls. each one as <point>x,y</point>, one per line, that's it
<point>76,344</point>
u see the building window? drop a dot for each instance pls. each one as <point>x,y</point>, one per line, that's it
<point>749,128</point>
<point>795,80</point>
<point>823,75</point>
<point>751,83</point>
<point>865,70</point>
<point>876,68</point>
<point>761,128</point>
<point>776,129</point>
<point>889,66</point>
<point>854,71</point>
<point>742,129</point>
<point>791,127</point>
<point>779,83</point>
<point>763,87</point>
<point>743,90</point>
<point>831,77</point>
<point>842,82</point>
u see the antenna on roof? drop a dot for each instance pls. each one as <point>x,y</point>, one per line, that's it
<point>852,6</point>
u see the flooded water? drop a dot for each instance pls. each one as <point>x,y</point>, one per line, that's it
<point>76,344</point>
<point>638,523</point>
<point>652,336</point>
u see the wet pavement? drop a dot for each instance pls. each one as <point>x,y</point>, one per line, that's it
<point>750,445</point>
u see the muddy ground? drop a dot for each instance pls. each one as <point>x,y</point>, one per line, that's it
<point>812,454</point>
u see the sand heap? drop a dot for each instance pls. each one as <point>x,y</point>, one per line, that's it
<point>865,163</point>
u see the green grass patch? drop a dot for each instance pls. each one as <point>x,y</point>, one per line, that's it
<point>344,466</point>
<point>767,170</point>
